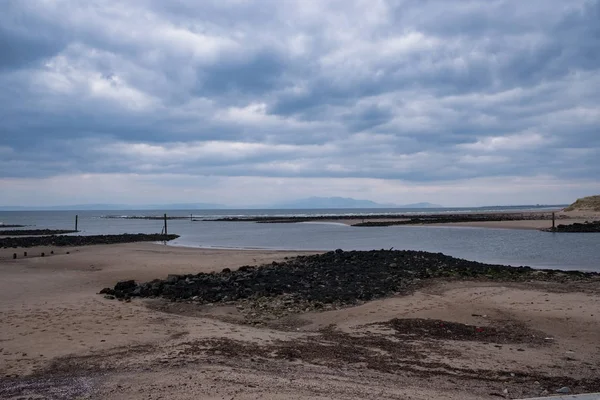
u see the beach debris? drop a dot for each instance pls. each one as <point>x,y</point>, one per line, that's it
<point>564,390</point>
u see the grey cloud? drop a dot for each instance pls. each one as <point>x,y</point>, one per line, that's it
<point>418,80</point>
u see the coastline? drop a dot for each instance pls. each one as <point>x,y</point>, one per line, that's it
<point>54,325</point>
<point>534,220</point>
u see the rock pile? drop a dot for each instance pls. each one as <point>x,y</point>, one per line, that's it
<point>33,241</point>
<point>587,227</point>
<point>318,281</point>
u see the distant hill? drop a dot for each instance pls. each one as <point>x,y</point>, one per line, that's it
<point>591,203</point>
<point>344,202</point>
<point>421,205</point>
<point>308,203</point>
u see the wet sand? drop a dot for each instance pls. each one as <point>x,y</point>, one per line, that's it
<point>58,336</point>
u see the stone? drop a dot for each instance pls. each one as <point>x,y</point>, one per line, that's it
<point>326,281</point>
<point>564,390</point>
<point>123,286</point>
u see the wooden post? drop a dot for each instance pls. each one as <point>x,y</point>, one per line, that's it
<point>191,217</point>
<point>166,233</point>
<point>76,221</point>
<point>553,221</point>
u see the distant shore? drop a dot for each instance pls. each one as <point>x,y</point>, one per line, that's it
<point>537,220</point>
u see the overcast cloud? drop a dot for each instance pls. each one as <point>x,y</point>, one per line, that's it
<point>465,102</point>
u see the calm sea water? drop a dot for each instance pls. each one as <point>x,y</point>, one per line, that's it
<point>512,247</point>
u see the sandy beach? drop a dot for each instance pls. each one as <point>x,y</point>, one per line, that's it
<point>58,337</point>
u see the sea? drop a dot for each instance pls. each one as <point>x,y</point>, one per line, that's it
<point>567,251</point>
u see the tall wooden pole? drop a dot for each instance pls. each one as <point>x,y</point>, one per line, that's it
<point>553,221</point>
<point>76,221</point>
<point>166,233</point>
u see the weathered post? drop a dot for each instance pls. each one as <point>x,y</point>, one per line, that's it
<point>14,256</point>
<point>76,221</point>
<point>191,217</point>
<point>553,221</point>
<point>166,233</point>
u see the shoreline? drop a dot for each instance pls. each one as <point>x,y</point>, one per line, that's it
<point>528,220</point>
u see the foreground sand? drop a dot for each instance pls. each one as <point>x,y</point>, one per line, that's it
<point>58,336</point>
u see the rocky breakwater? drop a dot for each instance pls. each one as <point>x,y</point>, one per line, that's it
<point>454,218</point>
<point>59,240</point>
<point>325,281</point>
<point>587,227</point>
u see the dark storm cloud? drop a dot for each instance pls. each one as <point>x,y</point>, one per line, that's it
<point>413,90</point>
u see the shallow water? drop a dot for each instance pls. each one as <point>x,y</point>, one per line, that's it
<point>512,247</point>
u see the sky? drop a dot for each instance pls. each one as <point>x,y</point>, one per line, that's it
<point>238,102</point>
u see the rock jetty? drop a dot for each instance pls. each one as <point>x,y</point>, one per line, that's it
<point>587,227</point>
<point>396,219</point>
<point>54,240</point>
<point>335,278</point>
<point>147,217</point>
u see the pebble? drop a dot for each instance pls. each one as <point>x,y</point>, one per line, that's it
<point>564,390</point>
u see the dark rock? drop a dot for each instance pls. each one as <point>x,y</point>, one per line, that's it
<point>334,278</point>
<point>125,286</point>
<point>63,240</point>
<point>587,227</point>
